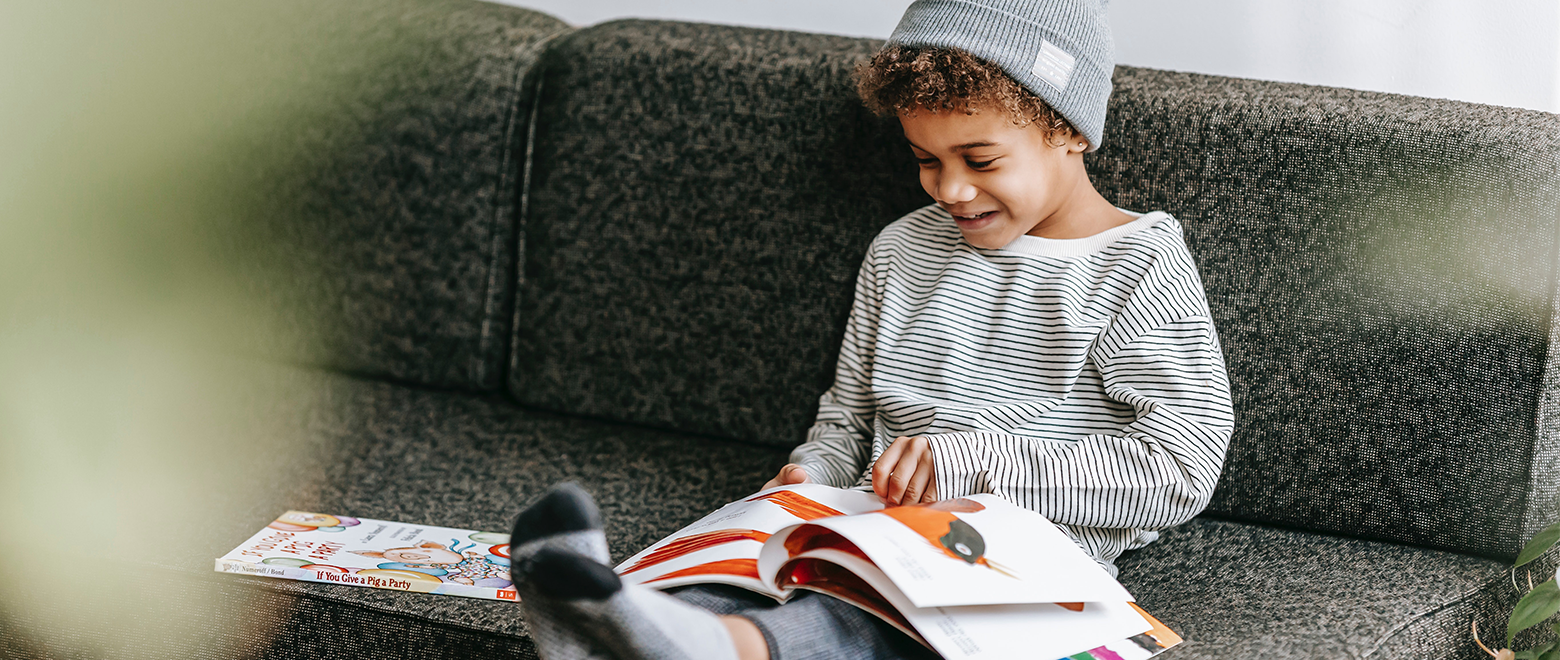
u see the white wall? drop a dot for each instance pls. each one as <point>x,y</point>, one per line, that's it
<point>1505,52</point>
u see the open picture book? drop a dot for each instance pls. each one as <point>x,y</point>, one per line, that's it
<point>974,577</point>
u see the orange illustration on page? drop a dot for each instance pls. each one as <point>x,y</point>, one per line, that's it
<point>793,503</point>
<point>936,523</point>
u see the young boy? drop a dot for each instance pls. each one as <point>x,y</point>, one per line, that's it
<point>1021,336</point>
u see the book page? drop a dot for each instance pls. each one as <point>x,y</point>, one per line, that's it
<point>978,550</point>
<point>976,632</point>
<point>723,547</point>
<point>1142,646</point>
<point>380,554</point>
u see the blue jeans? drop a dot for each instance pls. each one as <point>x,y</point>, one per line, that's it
<point>810,626</point>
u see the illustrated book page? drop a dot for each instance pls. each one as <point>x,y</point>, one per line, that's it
<point>973,577</point>
<point>723,547</point>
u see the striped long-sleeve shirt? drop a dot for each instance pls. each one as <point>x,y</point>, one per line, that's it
<point>1079,378</point>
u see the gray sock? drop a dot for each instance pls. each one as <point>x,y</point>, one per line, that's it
<point>635,622</point>
<point>564,519</point>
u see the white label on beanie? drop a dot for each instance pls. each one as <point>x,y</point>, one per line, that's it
<point>1053,65</point>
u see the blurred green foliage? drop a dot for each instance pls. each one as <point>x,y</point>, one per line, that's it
<point>132,153</point>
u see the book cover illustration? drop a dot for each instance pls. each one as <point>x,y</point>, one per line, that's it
<point>380,554</point>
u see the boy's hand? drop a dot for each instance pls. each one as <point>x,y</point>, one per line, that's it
<point>903,474</point>
<point>789,475</point>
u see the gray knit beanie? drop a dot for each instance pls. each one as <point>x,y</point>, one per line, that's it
<point>1059,49</point>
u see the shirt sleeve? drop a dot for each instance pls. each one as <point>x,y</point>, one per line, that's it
<point>1158,472</point>
<point>839,444</point>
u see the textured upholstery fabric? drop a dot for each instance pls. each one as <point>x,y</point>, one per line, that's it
<point>253,620</point>
<point>381,186</point>
<point>1381,270</point>
<point>1235,590</point>
<point>402,453</point>
<point>1380,267</point>
<point>700,200</point>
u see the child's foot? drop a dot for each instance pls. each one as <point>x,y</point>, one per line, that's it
<point>564,519</point>
<point>636,623</point>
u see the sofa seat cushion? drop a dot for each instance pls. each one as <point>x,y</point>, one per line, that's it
<point>1236,590</point>
<point>395,452</point>
<point>403,453</point>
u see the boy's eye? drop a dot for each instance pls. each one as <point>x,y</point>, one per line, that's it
<point>926,161</point>
<point>979,165</point>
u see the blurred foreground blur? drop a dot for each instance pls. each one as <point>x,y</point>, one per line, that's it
<point>132,413</point>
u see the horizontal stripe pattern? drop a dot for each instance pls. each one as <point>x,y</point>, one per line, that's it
<point>1087,387</point>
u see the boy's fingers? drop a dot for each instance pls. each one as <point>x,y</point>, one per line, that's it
<point>915,491</point>
<point>902,476</point>
<point>793,474</point>
<point>784,478</point>
<point>924,449</point>
<point>884,467</point>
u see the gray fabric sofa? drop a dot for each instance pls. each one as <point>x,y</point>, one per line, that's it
<point>624,255</point>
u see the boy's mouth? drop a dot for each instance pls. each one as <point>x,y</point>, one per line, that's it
<point>973,221</point>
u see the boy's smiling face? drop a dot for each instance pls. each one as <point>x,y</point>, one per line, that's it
<point>998,179</point>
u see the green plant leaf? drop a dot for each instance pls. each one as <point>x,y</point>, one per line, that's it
<point>1552,654</point>
<point>1539,604</point>
<point>1541,650</point>
<point>1543,540</point>
<point>1525,655</point>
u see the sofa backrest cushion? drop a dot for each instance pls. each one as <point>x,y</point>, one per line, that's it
<point>382,188</point>
<point>1381,268</point>
<point>1382,272</point>
<point>700,200</point>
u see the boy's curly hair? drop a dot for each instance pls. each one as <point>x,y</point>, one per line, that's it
<point>902,79</point>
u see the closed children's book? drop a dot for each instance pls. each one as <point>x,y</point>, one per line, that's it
<point>317,547</point>
<point>973,577</point>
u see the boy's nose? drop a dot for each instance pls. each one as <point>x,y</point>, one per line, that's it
<point>954,190</point>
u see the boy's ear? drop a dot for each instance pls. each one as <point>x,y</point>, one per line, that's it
<point>430,544</point>
<point>1069,140</point>
<point>370,553</point>
<point>1079,143</point>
